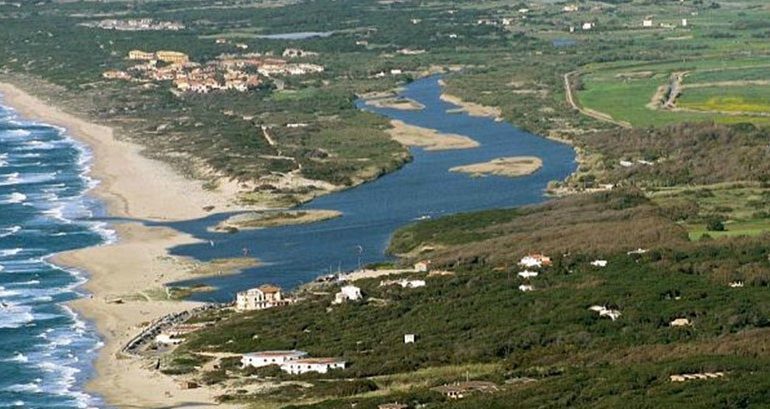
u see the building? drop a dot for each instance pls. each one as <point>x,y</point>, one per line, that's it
<point>588,26</point>
<point>422,266</point>
<point>736,284</point>
<point>168,339</point>
<point>526,288</point>
<point>647,22</point>
<point>116,75</point>
<point>535,261</point>
<point>260,298</point>
<point>173,57</point>
<point>404,283</point>
<point>265,358</point>
<point>140,55</point>
<point>395,405</point>
<point>462,389</point>
<point>599,263</point>
<point>318,365</point>
<point>527,274</point>
<point>410,338</point>
<point>348,293</point>
<point>684,22</point>
<point>605,312</point>
<point>680,322</point>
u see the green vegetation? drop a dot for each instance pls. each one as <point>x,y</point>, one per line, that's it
<point>689,183</point>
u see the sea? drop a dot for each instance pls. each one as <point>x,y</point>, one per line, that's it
<point>46,350</point>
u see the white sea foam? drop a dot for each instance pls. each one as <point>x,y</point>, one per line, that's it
<point>9,179</point>
<point>18,357</point>
<point>18,133</point>
<point>9,231</point>
<point>10,252</point>
<point>13,316</point>
<point>14,198</point>
<point>25,387</point>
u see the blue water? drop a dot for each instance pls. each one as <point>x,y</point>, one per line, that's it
<point>45,350</point>
<point>373,211</point>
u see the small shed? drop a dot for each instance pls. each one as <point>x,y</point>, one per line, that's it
<point>410,338</point>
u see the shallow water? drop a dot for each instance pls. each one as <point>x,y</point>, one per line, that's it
<point>45,349</point>
<point>373,211</point>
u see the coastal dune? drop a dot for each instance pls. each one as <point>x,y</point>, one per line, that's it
<point>131,184</point>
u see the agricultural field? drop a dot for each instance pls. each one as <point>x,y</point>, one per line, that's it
<point>724,91</point>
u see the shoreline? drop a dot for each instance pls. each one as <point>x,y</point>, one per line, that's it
<point>121,172</point>
<point>137,263</point>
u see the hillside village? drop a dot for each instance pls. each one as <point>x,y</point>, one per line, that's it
<point>236,72</point>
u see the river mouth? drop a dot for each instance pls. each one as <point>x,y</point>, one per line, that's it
<point>422,189</point>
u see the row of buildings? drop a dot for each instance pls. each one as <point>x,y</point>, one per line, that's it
<point>227,72</point>
<point>141,24</point>
<point>292,362</point>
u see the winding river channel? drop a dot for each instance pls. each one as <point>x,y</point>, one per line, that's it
<point>424,188</point>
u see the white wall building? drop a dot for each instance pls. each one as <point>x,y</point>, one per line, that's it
<point>348,293</point>
<point>265,358</point>
<point>319,365</point>
<point>260,298</point>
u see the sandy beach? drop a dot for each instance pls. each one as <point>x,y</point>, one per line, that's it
<point>135,268</point>
<point>131,184</point>
<point>511,167</point>
<point>429,139</point>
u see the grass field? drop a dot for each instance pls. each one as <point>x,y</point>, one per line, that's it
<point>744,208</point>
<point>624,91</point>
<point>745,99</point>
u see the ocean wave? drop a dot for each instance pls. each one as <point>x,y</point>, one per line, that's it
<point>9,231</point>
<point>30,387</point>
<point>12,316</point>
<point>14,198</point>
<point>10,252</point>
<point>18,357</point>
<point>20,133</point>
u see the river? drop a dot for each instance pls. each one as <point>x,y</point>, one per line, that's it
<point>294,255</point>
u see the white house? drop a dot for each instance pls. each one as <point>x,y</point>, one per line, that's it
<point>319,365</point>
<point>260,298</point>
<point>680,322</point>
<point>422,266</point>
<point>588,26</point>
<point>168,339</point>
<point>348,293</point>
<point>265,358</point>
<point>684,22</point>
<point>409,338</point>
<point>527,274</point>
<point>535,261</point>
<point>599,263</point>
<point>526,288</point>
<point>396,72</point>
<point>736,284</point>
<point>647,22</point>
<point>404,283</point>
<point>605,312</point>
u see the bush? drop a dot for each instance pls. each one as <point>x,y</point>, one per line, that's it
<point>715,224</point>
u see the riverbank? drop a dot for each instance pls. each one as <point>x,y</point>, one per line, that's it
<point>135,269</point>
